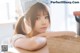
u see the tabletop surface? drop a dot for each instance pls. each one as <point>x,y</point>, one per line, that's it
<point>64,44</point>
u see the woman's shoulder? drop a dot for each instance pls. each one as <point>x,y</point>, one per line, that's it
<point>17,36</point>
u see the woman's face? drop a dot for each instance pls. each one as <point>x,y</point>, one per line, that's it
<point>42,22</point>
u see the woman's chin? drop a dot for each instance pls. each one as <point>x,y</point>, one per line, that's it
<point>42,31</point>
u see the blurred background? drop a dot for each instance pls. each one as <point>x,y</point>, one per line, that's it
<point>62,18</point>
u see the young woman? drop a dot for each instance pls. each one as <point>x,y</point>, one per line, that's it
<point>32,23</point>
<point>30,30</point>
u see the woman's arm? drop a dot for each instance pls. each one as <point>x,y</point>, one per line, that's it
<point>33,43</point>
<point>58,33</point>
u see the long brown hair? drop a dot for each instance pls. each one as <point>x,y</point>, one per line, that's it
<point>31,14</point>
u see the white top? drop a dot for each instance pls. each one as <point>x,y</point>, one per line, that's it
<point>15,37</point>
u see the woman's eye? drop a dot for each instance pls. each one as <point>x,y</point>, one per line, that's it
<point>46,17</point>
<point>37,18</point>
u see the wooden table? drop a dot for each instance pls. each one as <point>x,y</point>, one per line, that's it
<point>64,44</point>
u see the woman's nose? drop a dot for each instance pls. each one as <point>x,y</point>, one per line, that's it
<point>43,21</point>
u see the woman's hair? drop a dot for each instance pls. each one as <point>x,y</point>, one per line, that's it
<point>31,14</point>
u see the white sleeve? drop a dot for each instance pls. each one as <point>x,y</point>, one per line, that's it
<point>15,37</point>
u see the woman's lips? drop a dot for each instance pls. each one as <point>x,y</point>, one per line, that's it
<point>43,27</point>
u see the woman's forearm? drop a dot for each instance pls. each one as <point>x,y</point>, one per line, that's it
<point>31,43</point>
<point>58,33</point>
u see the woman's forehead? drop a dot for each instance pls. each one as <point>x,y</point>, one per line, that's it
<point>41,12</point>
